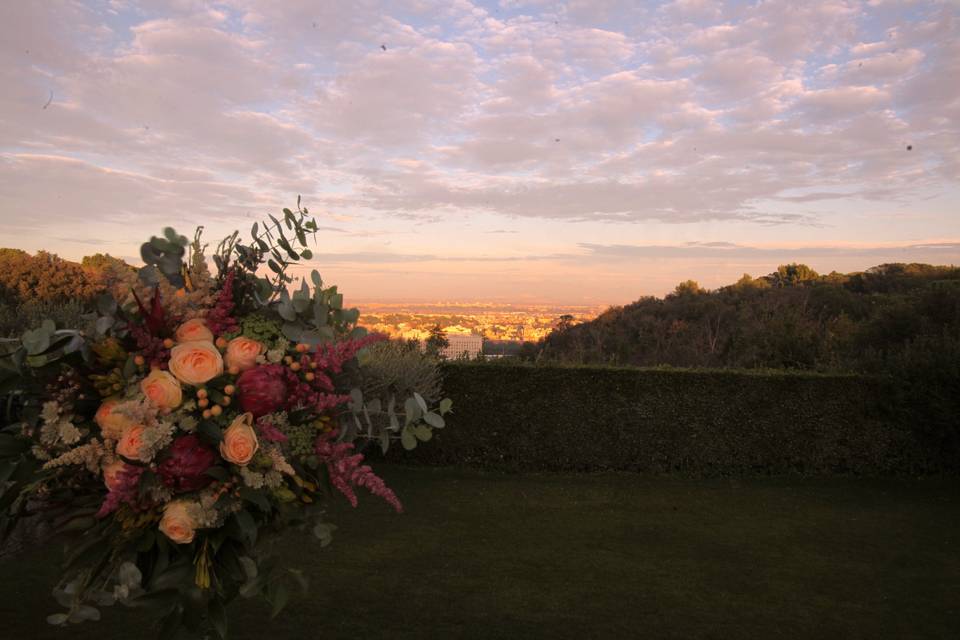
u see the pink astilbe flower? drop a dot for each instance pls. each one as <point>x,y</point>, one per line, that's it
<point>268,432</point>
<point>347,471</point>
<point>330,357</point>
<point>125,490</point>
<point>220,320</point>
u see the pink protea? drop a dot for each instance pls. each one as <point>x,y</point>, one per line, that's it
<point>263,389</point>
<point>347,471</point>
<point>185,468</point>
<point>124,489</point>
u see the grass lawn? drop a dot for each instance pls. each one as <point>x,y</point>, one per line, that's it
<point>481,555</point>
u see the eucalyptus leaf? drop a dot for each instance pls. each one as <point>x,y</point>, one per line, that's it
<point>408,439</point>
<point>434,420</point>
<point>420,401</point>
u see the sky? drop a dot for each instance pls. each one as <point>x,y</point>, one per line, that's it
<point>583,152</point>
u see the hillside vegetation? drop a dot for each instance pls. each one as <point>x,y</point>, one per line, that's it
<point>793,318</point>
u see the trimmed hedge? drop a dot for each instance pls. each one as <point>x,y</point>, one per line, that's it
<point>690,422</point>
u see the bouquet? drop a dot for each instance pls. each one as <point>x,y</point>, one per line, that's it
<point>200,414</point>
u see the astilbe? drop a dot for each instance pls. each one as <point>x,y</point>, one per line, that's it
<point>220,320</point>
<point>347,471</point>
<point>125,490</point>
<point>269,432</point>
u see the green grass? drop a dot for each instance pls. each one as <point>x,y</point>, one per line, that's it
<point>483,555</point>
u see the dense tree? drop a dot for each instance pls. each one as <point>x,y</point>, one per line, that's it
<point>791,318</point>
<point>437,341</point>
<point>43,277</point>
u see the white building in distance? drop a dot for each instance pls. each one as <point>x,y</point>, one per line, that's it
<point>461,343</point>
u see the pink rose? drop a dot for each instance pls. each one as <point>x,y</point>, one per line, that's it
<point>162,389</point>
<point>111,474</point>
<point>196,362</point>
<point>179,522</point>
<point>111,422</point>
<point>130,442</point>
<point>193,331</point>
<point>240,441</point>
<point>242,353</point>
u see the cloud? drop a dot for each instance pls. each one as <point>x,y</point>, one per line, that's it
<point>746,119</point>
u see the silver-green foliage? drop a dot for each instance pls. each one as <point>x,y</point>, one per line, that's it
<point>392,367</point>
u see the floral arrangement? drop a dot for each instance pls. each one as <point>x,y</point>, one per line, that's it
<point>201,414</point>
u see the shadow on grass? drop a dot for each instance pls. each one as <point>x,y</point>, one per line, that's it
<point>480,555</point>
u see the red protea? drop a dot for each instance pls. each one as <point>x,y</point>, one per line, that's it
<point>185,468</point>
<point>263,389</point>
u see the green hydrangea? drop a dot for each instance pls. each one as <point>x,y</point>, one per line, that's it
<point>260,328</point>
<point>300,439</point>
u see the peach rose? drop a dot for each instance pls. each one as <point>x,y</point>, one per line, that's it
<point>239,441</point>
<point>130,442</point>
<point>162,389</point>
<point>194,331</point>
<point>195,362</point>
<point>111,422</point>
<point>242,353</point>
<point>178,522</point>
<point>110,473</point>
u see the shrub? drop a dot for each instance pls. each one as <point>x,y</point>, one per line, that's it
<point>691,422</point>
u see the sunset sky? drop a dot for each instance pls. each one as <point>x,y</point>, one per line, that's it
<point>590,151</point>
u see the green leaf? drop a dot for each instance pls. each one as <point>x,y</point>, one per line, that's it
<point>336,301</point>
<point>292,332</point>
<point>324,532</point>
<point>218,616</point>
<point>218,473</point>
<point>104,323</point>
<point>170,624</point>
<point>445,405</point>
<point>420,401</point>
<point>256,498</point>
<point>248,526</point>
<point>274,266</point>
<point>422,432</point>
<point>57,619</point>
<point>106,305</point>
<point>408,439</point>
<point>315,277</point>
<point>11,446</point>
<point>211,431</point>
<point>434,420</point>
<point>287,311</point>
<point>279,597</point>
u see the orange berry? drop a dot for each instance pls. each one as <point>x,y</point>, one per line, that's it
<point>221,343</point>
<point>229,389</point>
<point>303,347</point>
<point>216,410</point>
<point>295,366</point>
<point>288,359</point>
<point>309,377</point>
<point>181,293</point>
<point>168,344</point>
<point>313,365</point>
<point>203,403</point>
<point>234,370</point>
<point>138,360</point>
<point>201,393</point>
<point>225,401</point>
<point>206,414</point>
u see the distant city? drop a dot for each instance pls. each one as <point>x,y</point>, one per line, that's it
<point>491,321</point>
